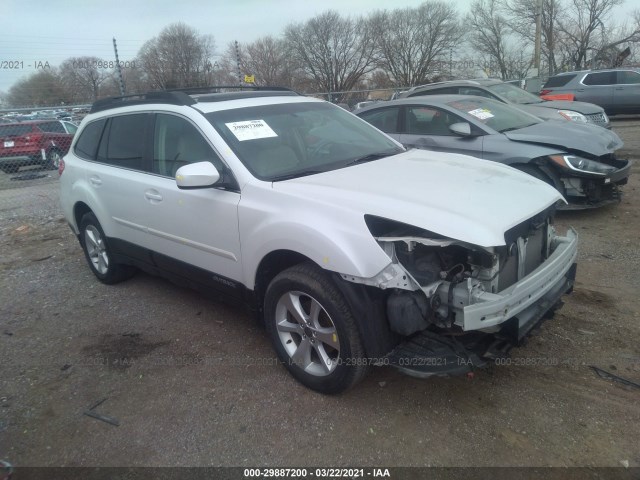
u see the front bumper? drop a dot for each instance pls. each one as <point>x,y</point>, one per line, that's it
<point>535,293</point>
<point>595,192</point>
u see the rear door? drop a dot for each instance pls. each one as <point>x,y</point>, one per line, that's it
<point>626,94</point>
<point>597,87</point>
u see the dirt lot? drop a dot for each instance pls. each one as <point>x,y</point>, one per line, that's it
<point>193,382</point>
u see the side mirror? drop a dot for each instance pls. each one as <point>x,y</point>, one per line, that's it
<point>197,175</point>
<point>461,128</point>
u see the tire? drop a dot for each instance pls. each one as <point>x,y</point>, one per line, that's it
<point>320,344</point>
<point>98,254</point>
<point>10,168</point>
<point>53,159</point>
<point>536,172</point>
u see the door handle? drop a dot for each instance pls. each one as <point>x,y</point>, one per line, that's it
<point>619,88</point>
<point>95,181</point>
<point>153,196</point>
<point>580,90</point>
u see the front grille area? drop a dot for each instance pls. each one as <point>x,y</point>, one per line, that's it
<point>535,246</point>
<point>597,119</point>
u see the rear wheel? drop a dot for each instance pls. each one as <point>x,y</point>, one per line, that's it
<point>313,331</point>
<point>10,168</point>
<point>98,254</point>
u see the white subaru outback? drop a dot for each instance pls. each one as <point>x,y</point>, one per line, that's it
<point>352,250</point>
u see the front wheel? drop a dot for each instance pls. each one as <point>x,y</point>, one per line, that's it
<point>98,254</point>
<point>313,331</point>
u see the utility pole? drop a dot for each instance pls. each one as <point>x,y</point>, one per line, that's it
<point>118,69</point>
<point>536,54</point>
<point>238,63</point>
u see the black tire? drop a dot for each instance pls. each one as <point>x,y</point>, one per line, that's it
<point>53,159</point>
<point>10,168</point>
<point>343,367</point>
<point>98,254</point>
<point>547,177</point>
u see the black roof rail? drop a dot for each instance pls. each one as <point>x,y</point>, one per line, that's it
<point>182,96</point>
<point>172,97</point>
<point>227,88</point>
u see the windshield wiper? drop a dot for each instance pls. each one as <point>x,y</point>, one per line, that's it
<point>301,173</point>
<point>372,156</point>
<point>517,128</point>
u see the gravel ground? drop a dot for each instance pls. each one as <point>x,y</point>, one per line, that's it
<point>194,382</point>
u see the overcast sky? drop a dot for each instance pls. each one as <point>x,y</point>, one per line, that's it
<point>34,32</point>
<point>37,31</point>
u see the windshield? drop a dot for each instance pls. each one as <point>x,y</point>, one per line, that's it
<point>493,114</point>
<point>295,139</point>
<point>514,94</point>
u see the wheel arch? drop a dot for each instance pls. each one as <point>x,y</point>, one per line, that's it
<point>79,210</point>
<point>271,265</point>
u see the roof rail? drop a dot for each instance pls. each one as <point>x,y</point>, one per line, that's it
<point>172,97</point>
<point>227,88</point>
<point>181,96</point>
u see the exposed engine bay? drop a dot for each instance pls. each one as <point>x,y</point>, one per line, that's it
<point>435,279</point>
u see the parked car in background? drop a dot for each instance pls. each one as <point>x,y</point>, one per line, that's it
<point>503,92</point>
<point>36,142</point>
<point>577,159</point>
<point>354,251</point>
<point>617,90</point>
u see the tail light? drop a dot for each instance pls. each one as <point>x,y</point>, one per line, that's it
<point>33,139</point>
<point>545,92</point>
<point>61,166</point>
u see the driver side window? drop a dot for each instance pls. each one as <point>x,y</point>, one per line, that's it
<point>429,121</point>
<point>176,143</point>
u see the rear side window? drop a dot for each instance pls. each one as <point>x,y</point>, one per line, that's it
<point>600,78</point>
<point>14,130</point>
<point>52,127</point>
<point>436,91</point>
<point>559,81</point>
<point>627,77</point>
<point>385,119</point>
<point>87,143</point>
<point>123,142</point>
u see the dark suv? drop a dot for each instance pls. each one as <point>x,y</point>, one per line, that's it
<point>32,143</point>
<point>617,90</point>
<point>506,93</point>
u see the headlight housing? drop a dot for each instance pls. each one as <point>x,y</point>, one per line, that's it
<point>573,116</point>
<point>582,165</point>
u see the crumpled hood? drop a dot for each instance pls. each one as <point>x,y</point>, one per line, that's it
<point>567,135</point>
<point>581,107</point>
<point>457,196</point>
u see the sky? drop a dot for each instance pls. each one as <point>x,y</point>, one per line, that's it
<point>35,33</point>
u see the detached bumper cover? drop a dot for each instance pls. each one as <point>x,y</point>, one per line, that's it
<point>530,297</point>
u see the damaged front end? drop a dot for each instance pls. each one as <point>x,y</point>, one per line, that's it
<point>460,304</point>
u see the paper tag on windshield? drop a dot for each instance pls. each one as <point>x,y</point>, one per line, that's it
<point>481,113</point>
<point>251,130</point>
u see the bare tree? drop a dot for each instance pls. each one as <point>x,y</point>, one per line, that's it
<point>333,52</point>
<point>522,20</point>
<point>42,89</point>
<point>412,42</point>
<point>583,27</point>
<point>489,34</point>
<point>178,57</point>
<point>83,76</point>
<point>267,59</point>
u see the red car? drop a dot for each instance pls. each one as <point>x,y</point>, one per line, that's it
<point>38,142</point>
